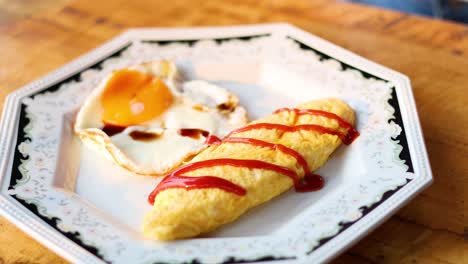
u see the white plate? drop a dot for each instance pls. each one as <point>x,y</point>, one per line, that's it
<point>88,210</point>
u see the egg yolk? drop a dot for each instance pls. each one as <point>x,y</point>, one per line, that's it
<point>132,97</point>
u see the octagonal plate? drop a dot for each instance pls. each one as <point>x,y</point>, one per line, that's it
<point>88,210</point>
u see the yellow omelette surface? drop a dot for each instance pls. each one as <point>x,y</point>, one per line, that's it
<point>179,213</point>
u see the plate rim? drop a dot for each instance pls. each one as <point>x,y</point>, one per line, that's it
<point>63,246</point>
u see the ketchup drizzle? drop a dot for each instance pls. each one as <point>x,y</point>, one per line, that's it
<point>352,133</point>
<point>212,140</point>
<point>256,142</point>
<point>310,182</point>
<point>175,181</point>
<point>251,164</point>
<point>285,128</point>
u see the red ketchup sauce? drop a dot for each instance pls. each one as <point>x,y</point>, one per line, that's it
<point>285,128</point>
<point>264,144</point>
<point>212,140</point>
<point>350,136</point>
<point>175,181</point>
<point>310,182</point>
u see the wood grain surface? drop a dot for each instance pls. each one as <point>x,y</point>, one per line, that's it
<point>38,36</point>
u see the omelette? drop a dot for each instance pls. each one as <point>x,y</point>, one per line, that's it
<point>250,166</point>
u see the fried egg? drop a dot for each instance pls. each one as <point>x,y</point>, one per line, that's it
<point>148,121</point>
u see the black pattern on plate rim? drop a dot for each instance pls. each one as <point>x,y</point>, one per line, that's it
<point>77,76</point>
<point>19,157</point>
<point>400,139</point>
<point>191,42</point>
<point>364,211</point>
<point>24,120</point>
<point>234,260</point>
<point>76,236</point>
<point>54,221</point>
<point>393,101</point>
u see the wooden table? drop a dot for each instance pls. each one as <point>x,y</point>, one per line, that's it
<point>39,36</point>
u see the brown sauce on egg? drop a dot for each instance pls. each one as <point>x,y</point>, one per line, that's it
<point>194,133</point>
<point>111,130</point>
<point>228,107</point>
<point>143,136</point>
